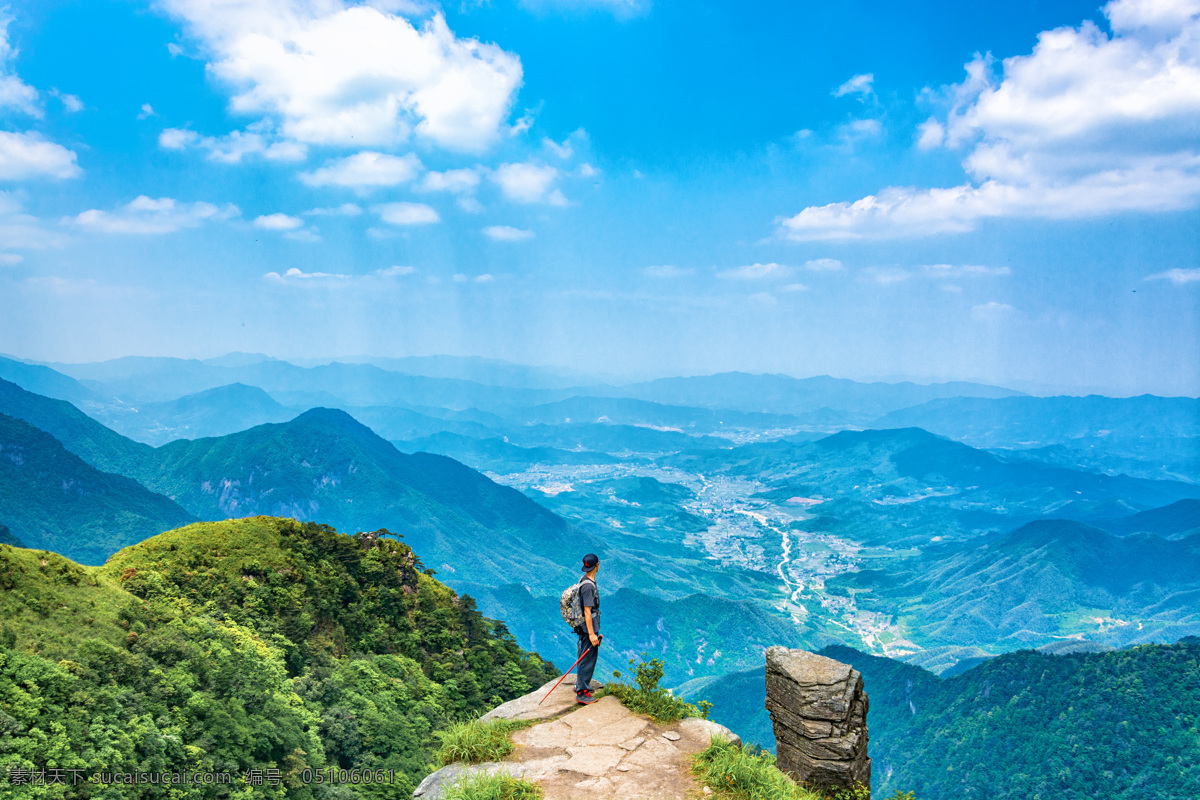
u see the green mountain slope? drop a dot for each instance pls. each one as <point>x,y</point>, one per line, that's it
<point>52,500</point>
<point>99,446</point>
<point>498,456</point>
<point>1120,724</point>
<point>1175,521</point>
<point>257,644</point>
<point>1048,579</point>
<point>325,466</point>
<point>46,381</point>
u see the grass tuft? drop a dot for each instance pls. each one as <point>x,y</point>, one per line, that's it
<point>493,787</point>
<point>649,698</point>
<point>476,741</point>
<point>734,773</point>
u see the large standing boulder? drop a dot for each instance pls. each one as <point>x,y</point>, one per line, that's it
<point>819,712</point>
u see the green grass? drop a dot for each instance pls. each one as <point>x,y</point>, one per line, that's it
<point>493,787</point>
<point>649,698</point>
<point>49,604</point>
<point>735,773</point>
<point>476,741</point>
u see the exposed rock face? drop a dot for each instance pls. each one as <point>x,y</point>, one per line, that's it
<point>819,712</point>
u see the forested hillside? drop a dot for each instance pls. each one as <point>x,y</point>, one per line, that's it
<point>250,644</point>
<point>1120,725</point>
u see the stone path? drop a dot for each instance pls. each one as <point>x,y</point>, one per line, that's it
<point>598,751</point>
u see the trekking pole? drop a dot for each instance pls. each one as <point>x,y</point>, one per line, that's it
<point>568,672</point>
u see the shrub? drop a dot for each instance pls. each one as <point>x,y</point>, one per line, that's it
<point>493,787</point>
<point>476,741</point>
<point>649,698</point>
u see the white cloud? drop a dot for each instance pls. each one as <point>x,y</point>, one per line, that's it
<point>28,155</point>
<point>344,210</point>
<point>457,181</point>
<point>507,233</point>
<point>306,235</point>
<point>406,213</point>
<point>10,259</point>
<point>21,230</point>
<point>365,170</point>
<point>278,222</point>
<point>861,85</point>
<point>484,278</point>
<point>1088,124</point>
<point>14,93</point>
<point>887,275</point>
<point>823,265</point>
<point>795,287</point>
<point>992,311</point>
<point>330,72</point>
<point>667,271</point>
<point>528,182</point>
<point>754,272</point>
<point>70,103</point>
<point>296,276</point>
<point>1177,276</point>
<point>395,271</point>
<point>233,147</point>
<point>146,215</point>
<point>586,170</point>
<point>933,134</point>
<point>963,271</point>
<point>618,8</point>
<point>147,112</point>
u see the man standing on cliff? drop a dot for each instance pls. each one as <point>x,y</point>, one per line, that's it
<point>589,631</point>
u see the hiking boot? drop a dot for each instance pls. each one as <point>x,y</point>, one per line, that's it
<point>587,692</point>
<point>584,699</point>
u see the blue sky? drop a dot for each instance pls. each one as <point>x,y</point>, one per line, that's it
<point>1003,192</point>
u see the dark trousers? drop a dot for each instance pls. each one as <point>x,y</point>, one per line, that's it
<point>585,668</point>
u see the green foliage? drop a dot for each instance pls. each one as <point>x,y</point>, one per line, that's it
<point>474,741</point>
<point>647,697</point>
<point>52,499</point>
<point>257,644</point>
<point>735,773</point>
<point>493,787</point>
<point>1121,725</point>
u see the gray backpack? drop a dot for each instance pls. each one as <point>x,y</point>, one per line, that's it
<point>569,606</point>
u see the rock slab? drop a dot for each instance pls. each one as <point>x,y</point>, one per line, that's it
<point>819,712</point>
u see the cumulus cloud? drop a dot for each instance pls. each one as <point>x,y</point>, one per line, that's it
<point>344,210</point>
<point>507,233</point>
<point>527,182</point>
<point>21,230</point>
<point>755,272</point>
<point>1087,124</point>
<point>70,103</point>
<point>365,170</point>
<point>147,111</point>
<point>14,93</point>
<point>861,85</point>
<point>28,155</point>
<point>278,222</point>
<point>1176,276</point>
<point>823,265</point>
<point>147,215</point>
<point>371,280</point>
<point>457,181</point>
<point>295,275</point>
<point>406,213</point>
<point>395,271</point>
<point>233,147</point>
<point>332,72</point>
<point>666,271</point>
<point>992,311</point>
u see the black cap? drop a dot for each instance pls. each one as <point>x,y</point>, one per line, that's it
<point>589,561</point>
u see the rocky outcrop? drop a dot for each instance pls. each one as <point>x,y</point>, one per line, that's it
<point>597,751</point>
<point>819,712</point>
